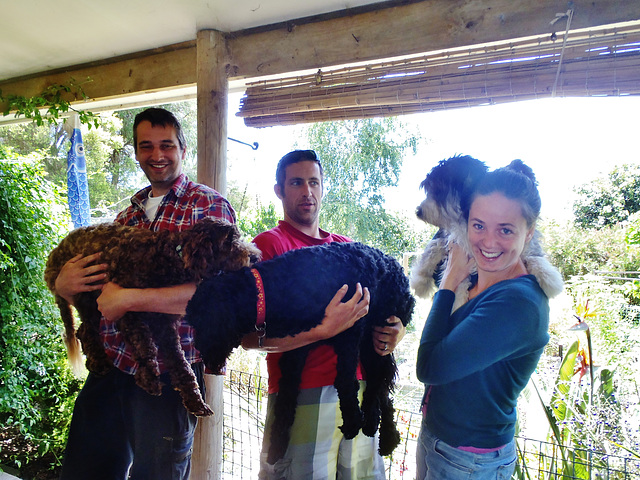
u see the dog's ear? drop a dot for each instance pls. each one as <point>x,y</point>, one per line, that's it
<point>243,254</point>
<point>213,246</point>
<point>201,247</point>
<point>239,254</point>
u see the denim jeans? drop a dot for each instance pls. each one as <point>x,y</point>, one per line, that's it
<point>119,431</point>
<point>439,461</point>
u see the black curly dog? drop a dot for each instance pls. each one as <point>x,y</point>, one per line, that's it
<point>297,287</point>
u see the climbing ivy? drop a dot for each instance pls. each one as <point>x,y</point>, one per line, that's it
<point>54,100</point>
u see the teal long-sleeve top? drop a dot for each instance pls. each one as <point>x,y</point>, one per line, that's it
<point>475,361</point>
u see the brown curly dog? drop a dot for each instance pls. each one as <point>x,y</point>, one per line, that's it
<point>141,258</point>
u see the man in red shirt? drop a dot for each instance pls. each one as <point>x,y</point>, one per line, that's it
<point>317,448</point>
<point>118,430</point>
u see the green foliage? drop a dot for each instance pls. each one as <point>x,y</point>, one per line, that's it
<point>632,232</point>
<point>360,159</point>
<point>608,200</point>
<point>113,174</point>
<point>54,100</point>
<point>37,389</point>
<point>589,400</point>
<point>614,325</point>
<point>578,251</point>
<point>263,218</point>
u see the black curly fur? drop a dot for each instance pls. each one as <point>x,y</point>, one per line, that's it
<point>141,258</point>
<point>298,286</point>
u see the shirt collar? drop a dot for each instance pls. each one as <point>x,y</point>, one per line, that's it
<point>178,189</point>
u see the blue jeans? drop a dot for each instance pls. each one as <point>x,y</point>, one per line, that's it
<point>439,461</point>
<point>119,431</point>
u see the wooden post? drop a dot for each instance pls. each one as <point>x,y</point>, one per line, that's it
<point>213,87</point>
<point>212,167</point>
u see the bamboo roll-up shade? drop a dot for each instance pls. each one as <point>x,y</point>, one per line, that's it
<point>602,62</point>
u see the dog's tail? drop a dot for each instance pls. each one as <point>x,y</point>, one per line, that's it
<point>74,349</point>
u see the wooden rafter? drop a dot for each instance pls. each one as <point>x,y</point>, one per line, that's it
<point>321,42</point>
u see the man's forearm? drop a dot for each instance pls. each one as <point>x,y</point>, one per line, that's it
<point>172,300</point>
<point>115,301</point>
<point>280,345</point>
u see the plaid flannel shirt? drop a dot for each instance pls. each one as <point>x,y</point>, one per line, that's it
<point>186,203</point>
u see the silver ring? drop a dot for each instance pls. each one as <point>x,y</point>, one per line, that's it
<point>386,347</point>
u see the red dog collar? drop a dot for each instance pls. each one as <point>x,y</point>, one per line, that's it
<point>261,308</point>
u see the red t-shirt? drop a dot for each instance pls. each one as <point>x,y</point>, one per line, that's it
<point>320,367</point>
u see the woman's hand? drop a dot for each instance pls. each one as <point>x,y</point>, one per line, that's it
<point>459,266</point>
<point>80,275</point>
<point>386,339</point>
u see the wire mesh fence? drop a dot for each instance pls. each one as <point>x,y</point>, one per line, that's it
<point>245,404</point>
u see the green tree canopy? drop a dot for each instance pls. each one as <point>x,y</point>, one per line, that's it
<point>610,199</point>
<point>360,159</point>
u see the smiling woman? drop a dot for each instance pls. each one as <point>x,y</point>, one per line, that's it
<point>497,235</point>
<point>488,348</point>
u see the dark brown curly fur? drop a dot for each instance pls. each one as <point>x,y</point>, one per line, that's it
<point>141,258</point>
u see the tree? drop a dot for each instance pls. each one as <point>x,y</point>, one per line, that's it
<point>608,200</point>
<point>360,159</point>
<point>576,251</point>
<point>37,389</point>
<point>112,171</point>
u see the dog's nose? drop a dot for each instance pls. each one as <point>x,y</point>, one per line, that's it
<point>419,211</point>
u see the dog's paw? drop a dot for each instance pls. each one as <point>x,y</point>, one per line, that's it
<point>149,383</point>
<point>203,410</point>
<point>194,403</point>
<point>370,427</point>
<point>352,426</point>
<point>389,440</point>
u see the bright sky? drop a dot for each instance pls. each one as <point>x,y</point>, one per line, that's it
<point>567,142</point>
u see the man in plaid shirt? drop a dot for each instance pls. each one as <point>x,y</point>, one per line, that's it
<point>118,430</point>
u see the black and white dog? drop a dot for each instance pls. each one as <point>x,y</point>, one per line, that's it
<point>445,186</point>
<point>288,295</point>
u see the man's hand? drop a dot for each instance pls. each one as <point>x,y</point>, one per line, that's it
<point>340,316</point>
<point>386,339</point>
<point>113,301</point>
<point>79,275</point>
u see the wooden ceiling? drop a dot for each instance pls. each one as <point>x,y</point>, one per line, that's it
<point>368,32</point>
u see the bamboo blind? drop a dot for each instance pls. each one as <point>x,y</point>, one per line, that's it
<point>603,62</point>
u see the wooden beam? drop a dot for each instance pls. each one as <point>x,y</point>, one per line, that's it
<point>212,170</point>
<point>320,42</point>
<point>206,459</point>
<point>212,109</point>
<point>145,72</point>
